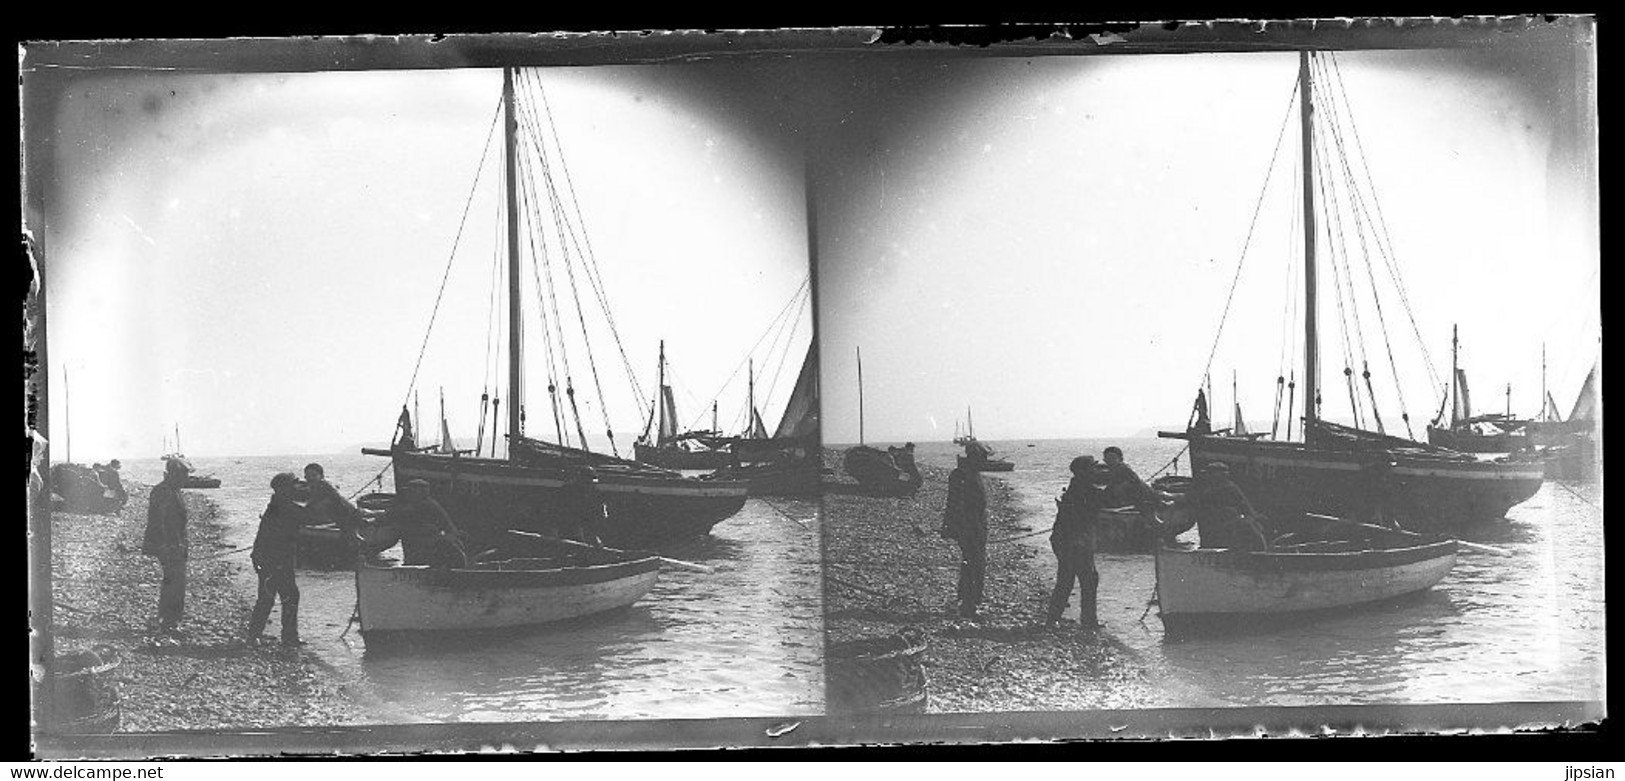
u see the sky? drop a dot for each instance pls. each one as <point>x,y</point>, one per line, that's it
<point>255,258</point>
<point>1050,241</point>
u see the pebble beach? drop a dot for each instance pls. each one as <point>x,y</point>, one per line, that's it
<point>887,569</point>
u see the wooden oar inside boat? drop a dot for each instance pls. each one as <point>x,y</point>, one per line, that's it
<point>1334,522</point>
<point>678,563</point>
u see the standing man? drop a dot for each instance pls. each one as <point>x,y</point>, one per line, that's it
<point>965,522</point>
<point>427,533</point>
<point>276,550</point>
<point>582,513</point>
<point>1073,540</point>
<point>165,540</point>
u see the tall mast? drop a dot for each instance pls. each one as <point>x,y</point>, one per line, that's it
<point>970,425</point>
<point>860,394</point>
<point>510,126</point>
<point>1310,365</point>
<point>1455,373</point>
<point>178,449</point>
<point>1544,407</point>
<point>714,416</point>
<point>660,401</point>
<point>750,397</point>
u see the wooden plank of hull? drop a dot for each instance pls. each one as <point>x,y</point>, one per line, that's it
<point>1469,442</point>
<point>1217,582</point>
<point>1429,492</point>
<point>485,497</point>
<point>421,599</point>
<point>802,479</point>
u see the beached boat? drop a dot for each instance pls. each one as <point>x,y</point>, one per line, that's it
<point>489,494</point>
<point>1337,469</point>
<point>891,471</point>
<point>878,675</point>
<point>1201,588</point>
<point>499,595</point>
<point>1569,447</point>
<point>1469,433</point>
<point>788,462</point>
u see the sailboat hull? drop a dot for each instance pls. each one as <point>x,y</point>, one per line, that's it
<point>1426,492</point>
<point>677,458</point>
<point>486,497</point>
<point>1468,441</point>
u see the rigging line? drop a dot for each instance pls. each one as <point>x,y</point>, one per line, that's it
<point>1332,229</point>
<point>794,298</point>
<point>1385,237</point>
<point>786,333</point>
<point>1241,262</point>
<point>1361,209</point>
<point>438,296</point>
<point>584,243</point>
<point>784,357</point>
<point>581,319</point>
<point>546,303</point>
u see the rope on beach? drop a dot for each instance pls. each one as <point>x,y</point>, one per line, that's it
<point>1044,530</point>
<point>1149,602</point>
<point>781,512</point>
<point>223,553</point>
<point>1577,495</point>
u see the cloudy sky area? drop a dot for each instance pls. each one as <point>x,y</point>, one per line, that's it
<point>255,257</point>
<point>1051,240</point>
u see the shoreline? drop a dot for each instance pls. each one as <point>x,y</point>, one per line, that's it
<point>105,594</point>
<point>886,568</point>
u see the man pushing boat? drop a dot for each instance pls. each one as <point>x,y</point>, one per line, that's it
<point>427,534</point>
<point>1220,512</point>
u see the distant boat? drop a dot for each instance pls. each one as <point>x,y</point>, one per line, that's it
<point>1570,446</point>
<point>486,495</point>
<point>500,595</point>
<point>978,457</point>
<point>193,480</point>
<point>1217,588</point>
<point>1469,433</point>
<point>672,449</point>
<point>1337,469</point>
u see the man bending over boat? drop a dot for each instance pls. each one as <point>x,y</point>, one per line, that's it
<point>1124,488</point>
<point>427,533</point>
<point>276,551</point>
<point>1073,540</point>
<point>965,522</point>
<point>327,505</point>
<point>1220,512</point>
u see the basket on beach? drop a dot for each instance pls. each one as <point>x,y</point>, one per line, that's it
<point>85,700</point>
<point>878,675</point>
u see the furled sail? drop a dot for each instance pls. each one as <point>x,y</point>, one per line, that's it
<point>757,429</point>
<point>1462,409</point>
<point>1240,428</point>
<point>1551,412</point>
<point>668,416</point>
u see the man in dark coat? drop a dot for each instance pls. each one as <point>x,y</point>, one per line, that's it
<point>1124,488</point>
<point>965,522</point>
<point>276,551</point>
<point>1220,512</point>
<point>581,513</point>
<point>165,540</point>
<point>327,505</point>
<point>111,479</point>
<point>427,533</point>
<point>1073,540</point>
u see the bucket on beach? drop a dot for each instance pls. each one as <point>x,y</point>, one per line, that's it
<point>84,698</point>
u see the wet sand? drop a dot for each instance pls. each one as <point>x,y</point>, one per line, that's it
<point>106,593</point>
<point>886,568</point>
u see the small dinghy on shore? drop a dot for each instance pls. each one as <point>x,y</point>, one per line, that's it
<point>1344,565</point>
<point>522,592</point>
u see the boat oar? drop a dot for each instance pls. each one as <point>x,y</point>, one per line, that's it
<point>1473,546</point>
<point>678,563</point>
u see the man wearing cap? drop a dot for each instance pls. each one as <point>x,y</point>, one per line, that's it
<point>965,522</point>
<point>327,505</point>
<point>165,540</point>
<point>110,478</point>
<point>1123,487</point>
<point>1073,540</point>
<point>1220,512</point>
<point>276,552</point>
<point>427,533</point>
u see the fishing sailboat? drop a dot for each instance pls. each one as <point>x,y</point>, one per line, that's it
<point>1340,469</point>
<point>891,471</point>
<point>489,494</point>
<point>1570,446</point>
<point>978,457</point>
<point>788,463</point>
<point>672,449</point>
<point>192,479</point>
<point>1469,433</point>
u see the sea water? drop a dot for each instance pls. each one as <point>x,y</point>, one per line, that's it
<point>744,640</point>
